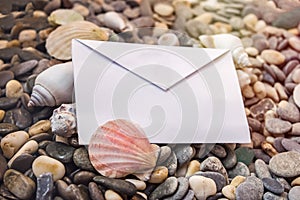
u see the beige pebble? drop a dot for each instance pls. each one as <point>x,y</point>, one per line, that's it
<point>205,18</point>
<point>251,51</point>
<point>143,195</point>
<point>296,76</point>
<point>112,195</point>
<point>193,167</point>
<point>3,44</point>
<point>29,147</point>
<point>296,95</point>
<point>159,174</point>
<point>236,181</point>
<point>296,181</point>
<point>203,187</point>
<point>248,92</point>
<point>281,91</point>
<point>294,42</point>
<point>260,90</point>
<point>84,11</point>
<point>39,13</point>
<point>273,56</point>
<point>27,35</point>
<point>271,92</point>
<point>2,114</point>
<point>41,126</point>
<point>250,21</point>
<point>14,89</point>
<point>163,9</point>
<point>229,192</point>
<point>270,114</point>
<point>270,139</point>
<point>44,164</point>
<point>244,78</point>
<point>223,27</point>
<point>12,142</point>
<point>260,25</point>
<point>140,185</point>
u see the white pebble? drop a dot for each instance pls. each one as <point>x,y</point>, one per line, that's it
<point>203,187</point>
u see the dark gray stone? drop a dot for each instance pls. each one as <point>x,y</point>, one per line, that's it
<point>3,166</point>
<point>23,162</point>
<point>60,151</point>
<point>219,151</point>
<point>6,128</point>
<point>189,196</point>
<point>290,145</point>
<point>81,159</point>
<point>95,192</point>
<point>19,116</point>
<point>230,160</point>
<point>273,185</point>
<point>44,189</point>
<point>239,169</point>
<point>24,67</point>
<point>184,153</point>
<point>182,189</point>
<point>165,189</point>
<point>8,103</point>
<point>5,76</point>
<point>247,191</point>
<point>83,177</point>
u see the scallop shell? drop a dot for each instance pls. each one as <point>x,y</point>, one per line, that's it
<point>53,86</point>
<point>119,148</point>
<point>63,120</point>
<point>227,41</point>
<point>64,16</point>
<point>58,44</point>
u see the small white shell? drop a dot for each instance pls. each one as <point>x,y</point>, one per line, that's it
<point>64,16</point>
<point>63,120</point>
<point>114,21</point>
<point>53,86</point>
<point>119,148</point>
<point>227,41</point>
<point>58,44</point>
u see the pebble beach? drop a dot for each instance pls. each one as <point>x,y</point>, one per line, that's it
<point>40,158</point>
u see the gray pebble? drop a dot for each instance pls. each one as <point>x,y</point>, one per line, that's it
<point>288,111</point>
<point>144,21</point>
<point>273,185</point>
<point>60,151</point>
<point>23,162</point>
<point>165,152</point>
<point>219,151</point>
<point>278,126</point>
<point>217,177</point>
<point>239,169</point>
<point>278,146</point>
<point>230,160</point>
<point>81,159</point>
<point>284,183</point>
<point>290,145</point>
<point>44,189</point>
<point>261,169</point>
<point>83,177</point>
<point>8,103</point>
<point>183,153</point>
<point>214,164</point>
<point>5,76</point>
<point>271,196</point>
<point>6,128</point>
<point>24,67</point>
<point>118,185</point>
<point>171,164</point>
<point>19,116</point>
<point>167,188</point>
<point>288,20</point>
<point>257,183</point>
<point>247,191</point>
<point>182,189</point>
<point>260,154</point>
<point>294,193</point>
<point>95,192</point>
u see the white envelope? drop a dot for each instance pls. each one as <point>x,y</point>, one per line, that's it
<point>176,94</point>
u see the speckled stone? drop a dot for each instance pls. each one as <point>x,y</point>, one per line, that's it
<point>273,185</point>
<point>247,191</point>
<point>278,126</point>
<point>239,169</point>
<point>165,189</point>
<point>214,164</point>
<point>290,145</point>
<point>217,177</point>
<point>219,151</point>
<point>184,153</point>
<point>294,193</point>
<point>182,189</point>
<point>271,196</point>
<point>81,159</point>
<point>60,151</point>
<point>288,111</point>
<point>261,169</point>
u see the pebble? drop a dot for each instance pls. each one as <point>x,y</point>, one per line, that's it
<point>193,167</point>
<point>118,185</point>
<point>5,76</point>
<point>159,174</point>
<point>203,187</point>
<point>163,9</point>
<point>239,169</point>
<point>290,145</point>
<point>285,164</point>
<point>81,159</point>
<point>217,177</point>
<point>261,169</point>
<point>19,116</point>
<point>183,153</point>
<point>43,164</point>
<point>278,126</point>
<point>112,195</point>
<point>171,164</point>
<point>83,177</point>
<point>273,185</point>
<point>258,110</point>
<point>288,111</point>
<point>3,166</point>
<point>189,196</point>
<point>41,126</point>
<point>294,42</point>
<point>244,155</point>
<point>271,196</point>
<point>8,103</point>
<point>214,164</point>
<point>257,139</point>
<point>45,187</point>
<point>230,160</point>
<point>60,151</point>
<point>18,184</point>
<point>182,189</point>
<point>27,35</point>
<point>11,143</point>
<point>229,192</point>
<point>165,152</point>
<point>296,181</point>
<point>273,57</point>
<point>95,192</point>
<point>236,181</point>
<point>294,193</point>
<point>140,185</point>
<point>165,189</point>
<point>6,128</point>
<point>296,95</point>
<point>23,162</point>
<point>295,129</point>
<point>168,39</point>
<point>247,191</point>
<point>24,67</point>
<point>219,151</point>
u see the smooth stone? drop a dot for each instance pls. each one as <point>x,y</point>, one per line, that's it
<point>295,129</point>
<point>296,182</point>
<point>261,44</point>
<point>41,126</point>
<point>24,67</point>
<point>45,187</point>
<point>236,181</point>
<point>219,151</point>
<point>19,116</point>
<point>257,183</point>
<point>273,57</point>
<point>83,177</point>
<point>168,39</point>
<point>171,164</point>
<point>159,174</point>
<point>43,164</point>
<point>7,53</point>
<point>30,147</point>
<point>140,185</point>
<point>229,192</point>
<point>294,193</point>
<point>165,189</point>
<point>81,159</point>
<point>190,195</point>
<point>294,42</point>
<point>273,185</point>
<point>261,169</point>
<point>60,151</point>
<point>8,103</point>
<point>3,166</point>
<point>214,164</point>
<point>112,195</point>
<point>14,89</point>
<point>165,152</point>
<point>6,128</point>
<point>5,76</point>
<point>230,160</point>
<point>145,21</point>
<point>240,169</point>
<point>287,20</point>
<point>284,183</point>
<point>27,35</point>
<point>288,111</point>
<point>18,184</point>
<point>95,192</point>
<point>23,162</point>
<point>257,139</point>
<point>271,196</point>
<point>217,177</point>
<point>247,191</point>
<point>259,109</point>
<point>184,153</point>
<point>278,145</point>
<point>278,126</point>
<point>244,155</point>
<point>290,145</point>
<point>118,185</point>
<point>193,167</point>
<point>12,142</point>
<point>182,189</point>
<point>285,164</point>
<point>296,76</point>
<point>296,95</point>
<point>2,114</point>
<point>163,9</point>
<point>203,187</point>
<point>260,154</point>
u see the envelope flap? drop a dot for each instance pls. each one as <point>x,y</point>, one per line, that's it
<point>153,63</point>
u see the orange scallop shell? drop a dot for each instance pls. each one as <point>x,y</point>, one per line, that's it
<point>119,148</point>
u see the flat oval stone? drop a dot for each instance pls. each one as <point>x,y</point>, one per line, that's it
<point>6,128</point>
<point>23,162</point>
<point>118,185</point>
<point>159,174</point>
<point>273,57</point>
<point>285,164</point>
<point>278,126</point>
<point>261,169</point>
<point>165,189</point>
<point>41,126</point>
<point>19,184</point>
<point>60,151</point>
<point>288,111</point>
<point>24,67</point>
<point>165,152</point>
<point>183,187</point>
<point>19,116</point>
<point>140,185</point>
<point>81,159</point>
<point>247,191</point>
<point>217,177</point>
<point>219,151</point>
<point>214,164</point>
<point>278,145</point>
<point>290,145</point>
<point>294,193</point>
<point>184,153</point>
<point>5,76</point>
<point>83,177</point>
<point>8,103</point>
<point>272,185</point>
<point>294,42</point>
<point>203,187</point>
<point>271,196</point>
<point>240,169</point>
<point>95,192</point>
